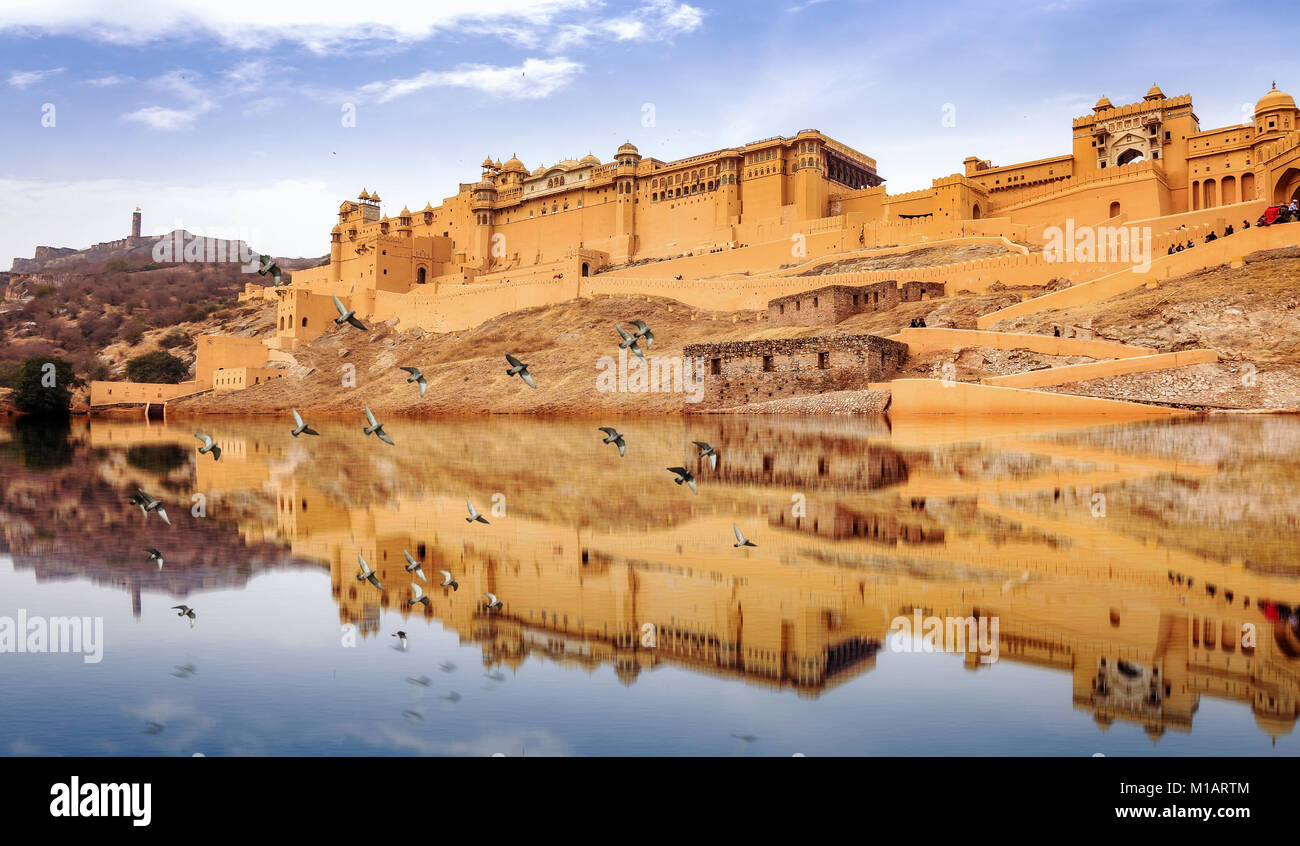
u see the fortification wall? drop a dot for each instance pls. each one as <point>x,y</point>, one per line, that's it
<point>1101,369</point>
<point>916,397</point>
<point>1222,251</point>
<point>923,341</point>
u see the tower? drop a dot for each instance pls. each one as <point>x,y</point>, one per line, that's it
<point>135,223</point>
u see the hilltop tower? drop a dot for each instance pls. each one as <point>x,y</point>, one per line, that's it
<point>135,224</point>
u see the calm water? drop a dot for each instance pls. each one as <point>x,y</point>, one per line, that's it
<point>1120,564</point>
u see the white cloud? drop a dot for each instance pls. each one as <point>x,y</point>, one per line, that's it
<point>106,81</point>
<point>535,78</point>
<point>164,118</point>
<point>327,25</point>
<point>22,79</point>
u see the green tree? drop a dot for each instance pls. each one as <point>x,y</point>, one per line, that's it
<point>44,386</point>
<point>158,367</point>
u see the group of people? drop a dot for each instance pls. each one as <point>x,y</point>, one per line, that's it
<point>1285,214</point>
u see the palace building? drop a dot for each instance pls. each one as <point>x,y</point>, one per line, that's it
<point>729,229</point>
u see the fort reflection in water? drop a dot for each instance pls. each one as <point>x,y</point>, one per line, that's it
<point>1130,556</point>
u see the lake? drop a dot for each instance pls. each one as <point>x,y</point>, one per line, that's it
<point>923,588</point>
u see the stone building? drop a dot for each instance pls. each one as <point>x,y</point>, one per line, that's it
<point>740,372</point>
<point>831,304</point>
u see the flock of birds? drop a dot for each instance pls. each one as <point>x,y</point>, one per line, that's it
<point>634,341</point>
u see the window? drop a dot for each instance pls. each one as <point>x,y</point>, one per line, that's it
<point>304,323</point>
<point>823,360</point>
<point>715,367</point>
<point>768,365</point>
<point>814,302</point>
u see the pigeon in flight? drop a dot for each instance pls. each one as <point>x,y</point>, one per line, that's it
<point>452,697</point>
<point>615,438</point>
<point>448,581</point>
<point>447,667</point>
<point>419,598</point>
<point>473,513</point>
<point>401,639</point>
<point>706,451</point>
<point>155,555</point>
<point>629,342</point>
<point>208,446</point>
<point>413,566</point>
<point>518,368</point>
<point>493,602</point>
<point>685,476</point>
<point>346,316</point>
<point>270,267</point>
<point>741,540</point>
<point>643,332</point>
<point>417,376</point>
<point>367,574</point>
<point>299,427</point>
<point>185,611</point>
<point>495,675</point>
<point>422,681</point>
<point>376,428</point>
<point>184,671</point>
<point>149,503</point>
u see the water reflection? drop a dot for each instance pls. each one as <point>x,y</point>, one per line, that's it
<point>1128,556</point>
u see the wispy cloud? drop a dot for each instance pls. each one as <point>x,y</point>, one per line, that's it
<point>106,81</point>
<point>533,79</point>
<point>23,79</point>
<point>253,24</point>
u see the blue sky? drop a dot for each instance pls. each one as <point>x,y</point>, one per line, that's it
<point>227,118</point>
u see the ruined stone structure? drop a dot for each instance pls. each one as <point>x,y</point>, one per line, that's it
<point>742,372</point>
<point>831,304</point>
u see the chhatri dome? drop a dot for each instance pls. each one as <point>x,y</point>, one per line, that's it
<point>628,147</point>
<point>513,164</point>
<point>1275,99</point>
<point>1154,93</point>
<point>1102,104</point>
<point>589,159</point>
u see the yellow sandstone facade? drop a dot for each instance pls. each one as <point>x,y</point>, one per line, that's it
<point>730,228</point>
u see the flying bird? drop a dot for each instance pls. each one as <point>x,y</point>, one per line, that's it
<point>613,437</point>
<point>419,598</point>
<point>376,428</point>
<point>448,581</point>
<point>418,377</point>
<point>149,503</point>
<point>270,267</point>
<point>495,675</point>
<point>208,446</point>
<point>155,555</point>
<point>741,540</point>
<point>422,681</point>
<point>493,602</point>
<point>346,316</point>
<point>473,513</point>
<point>185,611</point>
<point>629,342</point>
<point>447,667</point>
<point>685,476</point>
<point>367,574</point>
<point>706,451</point>
<point>401,639</point>
<point>452,697</point>
<point>518,368</point>
<point>413,566</point>
<point>299,427</point>
<point>644,333</point>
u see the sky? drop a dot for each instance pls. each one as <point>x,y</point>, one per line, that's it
<point>255,120</point>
